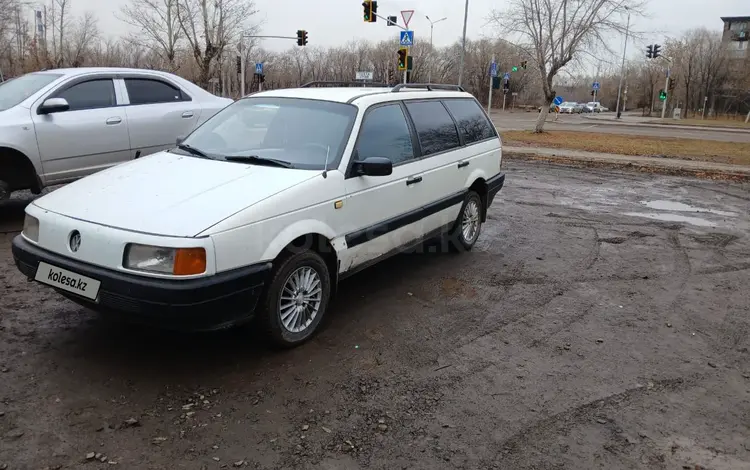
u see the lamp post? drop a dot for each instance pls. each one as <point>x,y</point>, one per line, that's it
<point>622,71</point>
<point>432,52</point>
<point>463,45</point>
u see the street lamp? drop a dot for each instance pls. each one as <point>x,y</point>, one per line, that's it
<point>463,45</point>
<point>432,52</point>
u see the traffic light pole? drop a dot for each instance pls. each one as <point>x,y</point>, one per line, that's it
<point>242,58</point>
<point>489,100</point>
<point>666,88</point>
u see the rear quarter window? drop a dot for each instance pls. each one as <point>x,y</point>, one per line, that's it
<point>472,122</point>
<point>435,128</point>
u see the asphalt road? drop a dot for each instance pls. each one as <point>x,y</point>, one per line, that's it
<point>521,120</point>
<point>601,322</point>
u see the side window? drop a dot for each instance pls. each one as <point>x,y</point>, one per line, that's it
<point>90,95</point>
<point>146,91</point>
<point>435,127</point>
<point>385,134</point>
<point>472,122</point>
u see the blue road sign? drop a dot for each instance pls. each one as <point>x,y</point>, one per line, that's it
<point>595,86</point>
<point>506,76</point>
<point>259,68</point>
<point>493,69</point>
<point>407,38</point>
<point>558,100</point>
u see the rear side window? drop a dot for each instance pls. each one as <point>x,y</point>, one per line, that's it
<point>385,134</point>
<point>472,122</point>
<point>145,91</point>
<point>435,127</point>
<point>90,95</point>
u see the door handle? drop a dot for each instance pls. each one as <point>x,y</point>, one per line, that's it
<point>414,180</point>
<point>187,114</point>
<point>463,164</point>
<point>114,120</point>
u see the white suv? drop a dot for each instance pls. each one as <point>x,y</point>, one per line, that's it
<point>263,209</point>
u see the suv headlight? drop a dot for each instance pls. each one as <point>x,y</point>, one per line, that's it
<point>31,228</point>
<point>163,260</point>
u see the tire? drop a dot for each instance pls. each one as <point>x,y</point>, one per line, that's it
<point>463,240</point>
<point>4,191</point>
<point>296,265</point>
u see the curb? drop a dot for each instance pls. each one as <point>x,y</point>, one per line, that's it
<point>583,162</point>
<point>606,121</point>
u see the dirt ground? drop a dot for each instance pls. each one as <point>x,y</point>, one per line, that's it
<point>601,322</point>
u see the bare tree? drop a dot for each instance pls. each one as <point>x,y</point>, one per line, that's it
<point>159,28</point>
<point>557,31</point>
<point>85,33</point>
<point>210,26</point>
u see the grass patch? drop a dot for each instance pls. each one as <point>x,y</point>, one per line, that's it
<point>737,153</point>
<point>733,123</point>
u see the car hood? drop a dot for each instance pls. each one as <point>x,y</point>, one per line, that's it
<point>169,194</point>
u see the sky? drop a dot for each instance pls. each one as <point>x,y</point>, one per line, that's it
<point>336,22</point>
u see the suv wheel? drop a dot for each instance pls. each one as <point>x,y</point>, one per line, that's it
<point>296,298</point>
<point>469,223</point>
<point>4,191</point>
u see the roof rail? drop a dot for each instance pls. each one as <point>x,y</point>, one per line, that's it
<point>429,86</point>
<point>325,83</point>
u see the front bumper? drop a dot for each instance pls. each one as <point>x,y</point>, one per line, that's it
<point>198,304</point>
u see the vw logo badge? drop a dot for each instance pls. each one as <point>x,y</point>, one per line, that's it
<point>75,240</point>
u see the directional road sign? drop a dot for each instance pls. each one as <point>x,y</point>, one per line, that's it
<point>558,100</point>
<point>259,68</point>
<point>407,38</point>
<point>493,69</point>
<point>506,76</point>
<point>595,86</point>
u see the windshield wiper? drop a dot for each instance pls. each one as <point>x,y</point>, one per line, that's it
<point>193,150</point>
<point>259,160</point>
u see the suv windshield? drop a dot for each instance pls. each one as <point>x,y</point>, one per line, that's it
<point>300,132</point>
<point>18,89</point>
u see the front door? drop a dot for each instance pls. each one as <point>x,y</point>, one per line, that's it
<point>90,136</point>
<point>383,213</point>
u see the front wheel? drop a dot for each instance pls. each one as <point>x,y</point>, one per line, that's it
<point>296,298</point>
<point>469,223</point>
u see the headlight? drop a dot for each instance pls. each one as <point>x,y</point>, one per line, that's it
<point>31,228</point>
<point>162,260</point>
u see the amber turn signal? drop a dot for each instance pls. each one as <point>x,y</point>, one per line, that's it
<point>189,261</point>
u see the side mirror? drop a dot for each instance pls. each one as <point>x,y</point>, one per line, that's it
<point>373,166</point>
<point>179,140</point>
<point>54,105</point>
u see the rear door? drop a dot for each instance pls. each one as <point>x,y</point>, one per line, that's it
<point>158,112</point>
<point>90,136</point>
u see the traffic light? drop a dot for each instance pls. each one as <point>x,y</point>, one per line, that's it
<point>403,53</point>
<point>239,64</point>
<point>523,64</point>
<point>671,83</point>
<point>370,11</point>
<point>593,92</point>
<point>662,95</point>
<point>301,37</point>
<point>390,76</point>
<point>514,69</point>
<point>656,50</point>
<point>262,78</point>
<point>650,51</point>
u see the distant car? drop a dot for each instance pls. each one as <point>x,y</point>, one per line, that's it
<point>568,107</point>
<point>596,107</point>
<point>578,108</point>
<point>57,126</point>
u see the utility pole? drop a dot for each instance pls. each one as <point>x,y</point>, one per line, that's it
<point>463,45</point>
<point>596,79</point>
<point>622,70</point>
<point>242,69</point>
<point>492,79</point>
<point>666,88</point>
<point>432,51</point>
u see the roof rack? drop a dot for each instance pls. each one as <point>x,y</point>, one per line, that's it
<point>325,83</point>
<point>429,86</point>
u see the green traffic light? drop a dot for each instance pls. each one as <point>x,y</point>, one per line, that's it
<point>514,69</point>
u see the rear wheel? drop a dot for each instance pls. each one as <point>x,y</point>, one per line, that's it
<point>4,191</point>
<point>469,223</point>
<point>296,298</point>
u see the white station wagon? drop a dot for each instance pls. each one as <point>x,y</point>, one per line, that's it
<point>262,210</point>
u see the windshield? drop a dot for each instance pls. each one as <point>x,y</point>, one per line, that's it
<point>18,89</point>
<point>301,132</point>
